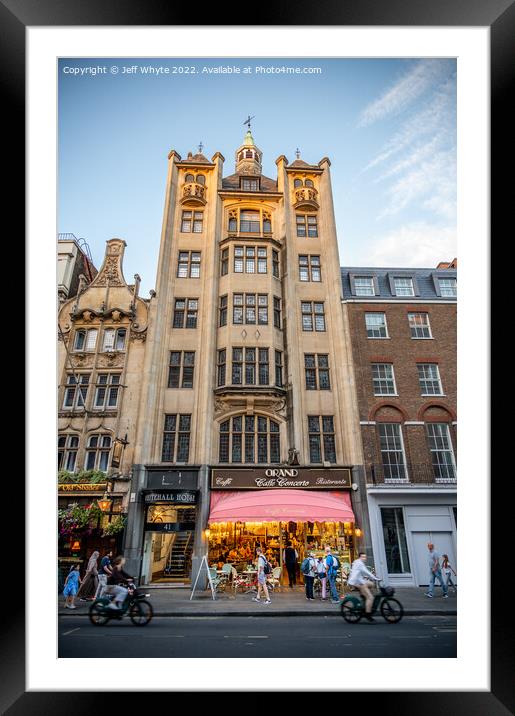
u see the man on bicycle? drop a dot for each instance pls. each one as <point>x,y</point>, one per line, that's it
<point>360,577</point>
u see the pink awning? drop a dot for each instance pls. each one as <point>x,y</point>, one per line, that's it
<point>280,505</point>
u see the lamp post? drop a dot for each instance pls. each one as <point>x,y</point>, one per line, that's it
<point>105,503</point>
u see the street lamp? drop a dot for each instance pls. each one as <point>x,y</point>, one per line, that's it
<point>104,503</point>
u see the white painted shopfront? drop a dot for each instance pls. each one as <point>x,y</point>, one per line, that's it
<point>402,522</point>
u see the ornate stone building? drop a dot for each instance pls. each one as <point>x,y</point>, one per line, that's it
<point>102,333</point>
<point>248,386</point>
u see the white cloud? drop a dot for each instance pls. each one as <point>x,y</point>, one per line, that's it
<point>406,90</point>
<point>435,176</point>
<point>414,245</point>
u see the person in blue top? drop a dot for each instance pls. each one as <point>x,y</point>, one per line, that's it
<point>331,563</point>
<point>71,586</point>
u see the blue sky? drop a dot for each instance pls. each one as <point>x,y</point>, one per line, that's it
<point>388,126</point>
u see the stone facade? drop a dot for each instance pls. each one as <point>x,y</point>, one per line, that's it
<point>258,260</point>
<point>102,332</point>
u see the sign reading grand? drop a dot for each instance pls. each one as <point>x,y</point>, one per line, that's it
<point>301,478</point>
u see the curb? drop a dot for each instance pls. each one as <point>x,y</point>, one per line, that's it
<point>263,613</point>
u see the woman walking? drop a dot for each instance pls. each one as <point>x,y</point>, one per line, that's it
<point>446,571</point>
<point>71,586</point>
<point>90,582</point>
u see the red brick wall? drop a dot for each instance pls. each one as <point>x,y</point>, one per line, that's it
<point>404,353</point>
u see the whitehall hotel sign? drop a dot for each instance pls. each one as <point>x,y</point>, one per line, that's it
<point>300,478</point>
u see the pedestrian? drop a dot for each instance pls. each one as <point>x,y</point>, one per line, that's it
<point>105,570</point>
<point>88,587</point>
<point>309,570</point>
<point>332,564</point>
<point>290,557</point>
<point>446,571</point>
<point>361,578</point>
<point>435,572</point>
<point>261,577</point>
<point>71,586</point>
<point>322,575</point>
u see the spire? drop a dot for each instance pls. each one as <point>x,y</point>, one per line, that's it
<point>248,155</point>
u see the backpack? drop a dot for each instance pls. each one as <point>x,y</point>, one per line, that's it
<point>305,567</point>
<point>334,564</point>
<point>267,567</point>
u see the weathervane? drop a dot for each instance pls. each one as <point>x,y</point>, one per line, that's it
<point>200,147</point>
<point>297,153</point>
<point>247,121</point>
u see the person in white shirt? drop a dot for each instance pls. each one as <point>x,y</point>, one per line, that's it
<point>360,577</point>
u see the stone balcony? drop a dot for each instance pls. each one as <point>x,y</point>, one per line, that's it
<point>306,197</point>
<point>193,194</point>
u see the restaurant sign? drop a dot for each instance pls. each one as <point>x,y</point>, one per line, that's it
<point>179,497</point>
<point>82,487</point>
<point>301,478</point>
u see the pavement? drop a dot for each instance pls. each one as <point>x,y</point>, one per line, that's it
<point>175,602</point>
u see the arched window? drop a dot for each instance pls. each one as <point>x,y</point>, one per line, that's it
<point>85,340</point>
<point>308,182</point>
<point>67,446</point>
<point>189,178</point>
<point>97,452</point>
<point>250,439</point>
<point>297,183</point>
<point>201,179</point>
<point>114,339</point>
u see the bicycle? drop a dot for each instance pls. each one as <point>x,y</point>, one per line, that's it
<point>353,606</point>
<point>140,611</point>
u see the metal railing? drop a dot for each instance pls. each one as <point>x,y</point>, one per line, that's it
<point>415,473</point>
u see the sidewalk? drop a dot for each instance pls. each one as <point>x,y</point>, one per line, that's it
<point>175,602</point>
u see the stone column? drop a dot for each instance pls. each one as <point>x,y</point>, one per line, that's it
<point>360,507</point>
<point>200,546</point>
<point>133,540</point>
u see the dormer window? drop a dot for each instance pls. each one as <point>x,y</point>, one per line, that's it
<point>403,286</point>
<point>448,287</point>
<point>364,286</point>
<point>249,184</point>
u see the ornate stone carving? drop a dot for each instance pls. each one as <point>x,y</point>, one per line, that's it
<point>110,274</point>
<point>138,335</point>
<point>83,360</point>
<point>111,360</point>
<point>87,316</point>
<point>116,316</point>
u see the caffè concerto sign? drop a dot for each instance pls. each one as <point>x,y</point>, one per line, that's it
<point>299,478</point>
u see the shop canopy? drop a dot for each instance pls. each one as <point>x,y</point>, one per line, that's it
<point>280,506</point>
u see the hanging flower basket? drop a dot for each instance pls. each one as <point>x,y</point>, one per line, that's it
<point>75,518</point>
<point>115,526</point>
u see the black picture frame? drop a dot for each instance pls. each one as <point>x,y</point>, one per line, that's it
<point>499,16</point>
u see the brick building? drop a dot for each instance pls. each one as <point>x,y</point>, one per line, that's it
<point>402,327</point>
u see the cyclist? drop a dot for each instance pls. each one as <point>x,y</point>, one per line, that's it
<point>114,583</point>
<point>360,577</point>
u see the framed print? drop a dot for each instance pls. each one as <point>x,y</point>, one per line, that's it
<point>201,423</point>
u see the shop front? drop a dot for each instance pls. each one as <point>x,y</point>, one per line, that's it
<point>271,507</point>
<point>402,523</point>
<point>169,534</point>
<point>83,526</point>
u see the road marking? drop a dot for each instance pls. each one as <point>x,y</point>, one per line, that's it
<point>249,636</point>
<point>335,636</point>
<point>71,631</point>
